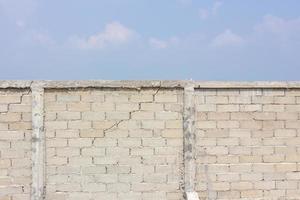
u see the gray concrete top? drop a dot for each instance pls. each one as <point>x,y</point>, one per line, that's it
<point>135,84</point>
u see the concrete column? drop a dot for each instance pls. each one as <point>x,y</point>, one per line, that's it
<point>38,143</point>
<point>189,143</point>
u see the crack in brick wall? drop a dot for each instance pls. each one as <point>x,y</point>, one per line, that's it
<point>127,140</point>
<point>135,142</point>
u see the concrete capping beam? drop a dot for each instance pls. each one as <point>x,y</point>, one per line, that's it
<point>189,137</point>
<point>15,84</point>
<point>246,85</point>
<point>38,143</point>
<point>114,84</point>
<point>130,84</point>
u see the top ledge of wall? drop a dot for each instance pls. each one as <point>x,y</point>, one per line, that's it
<point>15,84</point>
<point>146,84</point>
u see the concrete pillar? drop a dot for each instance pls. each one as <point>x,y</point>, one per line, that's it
<point>38,143</point>
<point>189,143</point>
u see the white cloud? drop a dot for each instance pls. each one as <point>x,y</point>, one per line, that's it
<point>162,44</point>
<point>42,38</point>
<point>205,13</point>
<point>36,38</point>
<point>227,38</point>
<point>216,6</point>
<point>114,33</point>
<point>158,44</point>
<point>280,27</point>
<point>20,24</point>
<point>271,30</point>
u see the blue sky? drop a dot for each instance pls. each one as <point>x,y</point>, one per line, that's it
<point>150,39</point>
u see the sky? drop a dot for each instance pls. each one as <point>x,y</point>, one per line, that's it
<point>229,40</point>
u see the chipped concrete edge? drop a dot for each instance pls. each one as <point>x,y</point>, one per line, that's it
<point>135,84</point>
<point>189,139</point>
<point>38,142</point>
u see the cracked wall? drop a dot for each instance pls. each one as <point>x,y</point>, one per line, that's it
<point>141,140</point>
<point>15,144</point>
<point>114,144</point>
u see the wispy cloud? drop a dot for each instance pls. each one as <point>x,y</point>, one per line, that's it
<point>204,13</point>
<point>163,44</point>
<point>114,33</point>
<point>42,38</point>
<point>20,24</point>
<point>158,44</point>
<point>37,38</point>
<point>279,27</point>
<point>227,38</point>
<point>271,30</point>
<point>216,6</point>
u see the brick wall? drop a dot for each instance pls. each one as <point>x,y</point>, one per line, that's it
<point>15,144</point>
<point>248,143</point>
<point>114,144</point>
<point>133,140</point>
